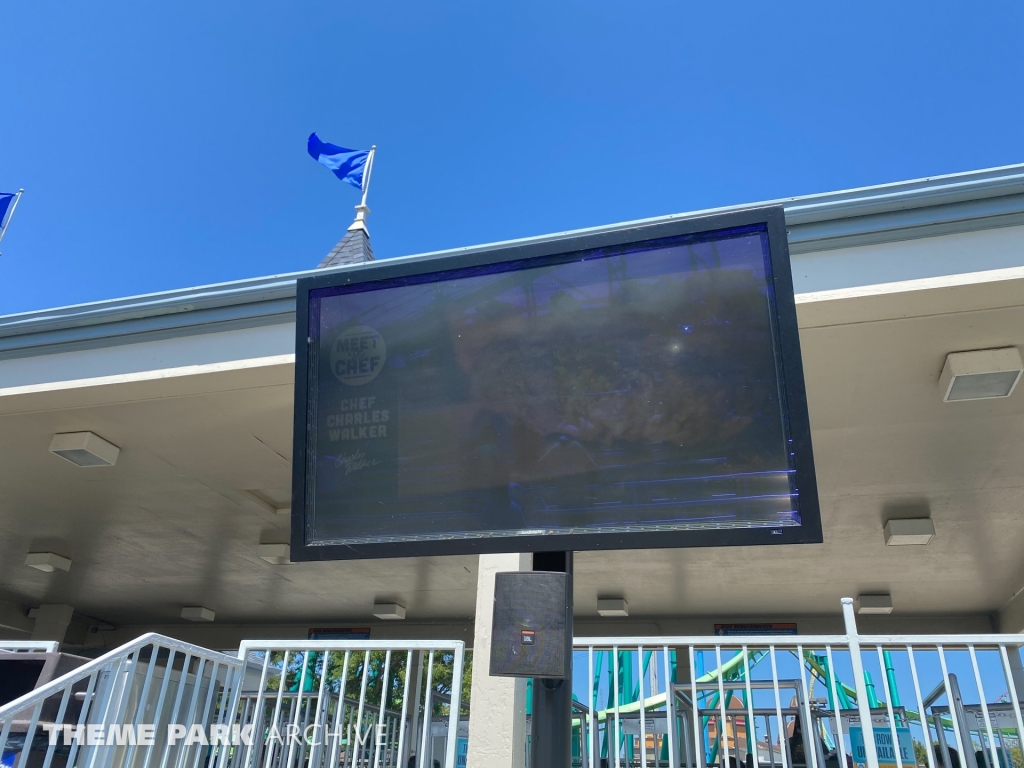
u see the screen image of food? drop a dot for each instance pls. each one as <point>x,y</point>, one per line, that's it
<point>634,388</point>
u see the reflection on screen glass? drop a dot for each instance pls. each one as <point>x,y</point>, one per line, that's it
<point>629,389</point>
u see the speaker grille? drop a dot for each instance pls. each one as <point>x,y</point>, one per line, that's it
<point>532,624</point>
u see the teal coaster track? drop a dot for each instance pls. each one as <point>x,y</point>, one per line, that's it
<point>615,681</point>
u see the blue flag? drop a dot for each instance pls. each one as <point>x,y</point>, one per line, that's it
<point>6,198</point>
<point>347,164</point>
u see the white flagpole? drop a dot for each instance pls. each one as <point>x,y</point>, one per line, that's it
<point>362,209</point>
<point>369,170</point>
<point>10,214</point>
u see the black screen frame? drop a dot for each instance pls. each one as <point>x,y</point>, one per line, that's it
<point>792,391</point>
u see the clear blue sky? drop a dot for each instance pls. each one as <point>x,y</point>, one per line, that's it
<point>162,144</point>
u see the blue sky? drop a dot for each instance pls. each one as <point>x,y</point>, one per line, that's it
<point>928,667</point>
<point>162,144</point>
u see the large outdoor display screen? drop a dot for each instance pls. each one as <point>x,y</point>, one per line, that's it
<point>635,389</point>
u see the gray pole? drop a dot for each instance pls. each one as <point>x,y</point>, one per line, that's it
<point>551,719</point>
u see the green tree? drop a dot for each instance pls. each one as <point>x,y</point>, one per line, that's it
<point>443,671</point>
<point>920,753</point>
<point>345,674</point>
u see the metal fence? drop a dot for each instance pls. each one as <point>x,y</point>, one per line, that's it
<point>876,701</point>
<point>154,680</point>
<point>303,704</point>
<point>947,701</point>
<point>347,704</point>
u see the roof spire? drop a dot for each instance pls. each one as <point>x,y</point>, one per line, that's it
<point>362,211</point>
<point>354,247</point>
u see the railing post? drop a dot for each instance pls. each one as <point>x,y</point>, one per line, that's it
<point>853,641</point>
<point>1016,668</point>
<point>454,705</point>
<point>411,745</point>
<point>968,758</point>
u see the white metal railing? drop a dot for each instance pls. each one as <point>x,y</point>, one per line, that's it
<point>800,701</point>
<point>154,680</point>
<point>302,704</point>
<point>29,646</point>
<point>804,701</point>
<point>355,703</point>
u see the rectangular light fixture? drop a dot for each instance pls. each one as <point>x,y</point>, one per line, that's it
<point>900,533</point>
<point>48,562</point>
<point>197,613</point>
<point>981,374</point>
<point>275,554</point>
<point>84,449</point>
<point>263,500</point>
<point>612,606</point>
<point>388,611</point>
<point>874,604</point>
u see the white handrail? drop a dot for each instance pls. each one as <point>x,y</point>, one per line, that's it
<point>96,665</point>
<point>949,641</point>
<point>248,646</point>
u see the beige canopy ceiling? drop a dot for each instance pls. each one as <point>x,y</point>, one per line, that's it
<point>205,460</point>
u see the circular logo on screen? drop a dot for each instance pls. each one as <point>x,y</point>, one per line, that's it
<point>358,355</point>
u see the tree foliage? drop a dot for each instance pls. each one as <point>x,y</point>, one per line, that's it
<point>347,673</point>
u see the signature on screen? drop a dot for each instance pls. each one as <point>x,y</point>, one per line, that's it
<point>353,462</point>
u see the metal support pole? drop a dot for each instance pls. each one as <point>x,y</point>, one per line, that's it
<point>867,727</point>
<point>551,718</point>
<point>415,674</point>
<point>367,173</point>
<point>362,210</point>
<point>968,758</point>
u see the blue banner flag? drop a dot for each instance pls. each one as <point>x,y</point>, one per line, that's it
<point>347,164</point>
<point>6,198</point>
<point>8,202</point>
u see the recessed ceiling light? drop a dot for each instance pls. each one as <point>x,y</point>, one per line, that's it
<point>48,562</point>
<point>197,613</point>
<point>275,554</point>
<point>980,375</point>
<point>874,604</point>
<point>84,449</point>
<point>903,532</point>
<point>612,606</point>
<point>263,499</point>
<point>388,611</point>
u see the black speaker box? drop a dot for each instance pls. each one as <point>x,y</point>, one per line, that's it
<point>532,631</point>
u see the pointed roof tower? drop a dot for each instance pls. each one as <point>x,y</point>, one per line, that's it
<point>354,247</point>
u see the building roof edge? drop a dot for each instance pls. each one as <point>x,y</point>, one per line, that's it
<point>903,210</point>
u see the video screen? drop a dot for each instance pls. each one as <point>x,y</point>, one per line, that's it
<point>626,389</point>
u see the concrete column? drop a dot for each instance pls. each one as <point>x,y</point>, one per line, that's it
<point>685,675</point>
<point>497,708</point>
<point>13,617</point>
<point>52,622</point>
<point>683,671</point>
